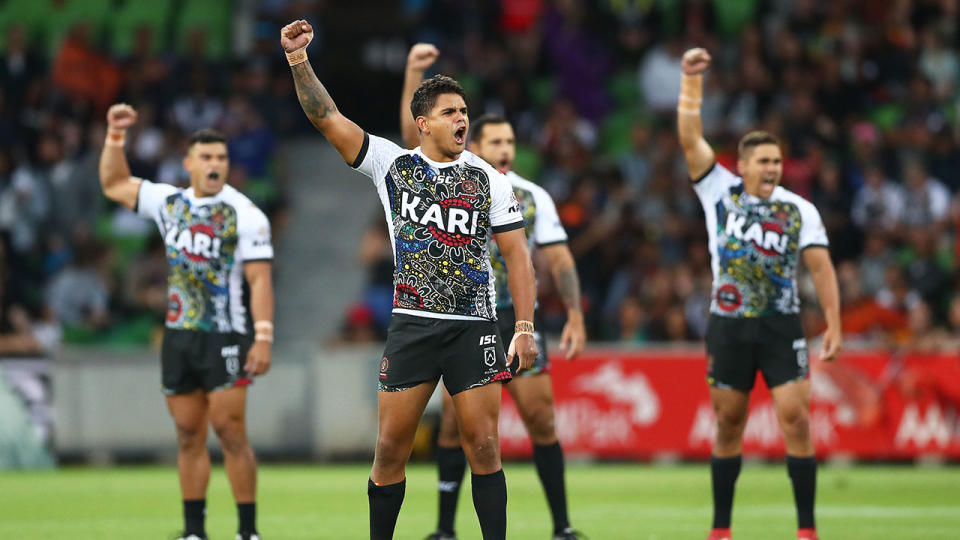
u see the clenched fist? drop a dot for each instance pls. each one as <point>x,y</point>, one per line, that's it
<point>695,61</point>
<point>422,56</point>
<point>121,116</point>
<point>296,35</point>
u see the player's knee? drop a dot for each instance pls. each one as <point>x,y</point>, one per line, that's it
<point>541,423</point>
<point>231,432</point>
<point>191,437</point>
<point>391,452</point>
<point>730,424</point>
<point>481,445</point>
<point>794,420</point>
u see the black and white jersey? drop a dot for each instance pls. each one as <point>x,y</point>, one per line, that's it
<point>207,241</point>
<point>541,224</point>
<point>755,245</point>
<point>439,217</point>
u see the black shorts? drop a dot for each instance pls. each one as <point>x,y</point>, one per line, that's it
<point>737,348</point>
<point>206,360</point>
<point>506,321</point>
<point>466,354</point>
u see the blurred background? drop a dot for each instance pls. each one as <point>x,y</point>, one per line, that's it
<point>863,94</point>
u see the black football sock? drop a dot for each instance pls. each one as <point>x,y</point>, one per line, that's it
<point>724,473</point>
<point>490,501</point>
<point>803,476</point>
<point>451,463</point>
<point>385,502</point>
<point>549,462</point>
<point>247,514</point>
<point>194,512</point>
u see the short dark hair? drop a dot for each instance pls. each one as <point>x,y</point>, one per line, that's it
<point>425,98</point>
<point>489,119</point>
<point>752,140</point>
<point>206,135</point>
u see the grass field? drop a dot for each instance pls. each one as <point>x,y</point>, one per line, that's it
<point>608,502</point>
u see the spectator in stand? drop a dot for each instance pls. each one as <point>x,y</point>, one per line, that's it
<point>925,200</point>
<point>878,205</point>
<point>78,295</point>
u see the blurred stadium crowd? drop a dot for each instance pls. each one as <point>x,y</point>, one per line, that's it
<point>864,96</point>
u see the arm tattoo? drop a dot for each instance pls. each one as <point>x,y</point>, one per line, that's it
<point>314,98</point>
<point>568,285</point>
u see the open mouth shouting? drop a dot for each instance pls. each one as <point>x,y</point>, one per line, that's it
<point>460,135</point>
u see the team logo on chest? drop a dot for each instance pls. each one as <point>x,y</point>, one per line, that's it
<point>451,221</point>
<point>198,242</point>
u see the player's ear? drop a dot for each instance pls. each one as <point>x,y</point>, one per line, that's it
<point>422,124</point>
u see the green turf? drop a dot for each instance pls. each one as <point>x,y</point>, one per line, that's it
<point>608,502</point>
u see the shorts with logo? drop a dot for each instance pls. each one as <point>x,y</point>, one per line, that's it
<point>209,361</point>
<point>467,354</point>
<point>506,321</point>
<point>738,347</point>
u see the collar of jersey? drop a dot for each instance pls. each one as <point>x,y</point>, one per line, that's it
<point>439,164</point>
<point>192,196</point>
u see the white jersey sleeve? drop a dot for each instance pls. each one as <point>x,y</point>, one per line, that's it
<point>712,186</point>
<point>253,235</point>
<point>812,231</point>
<point>151,197</point>
<point>504,209</point>
<point>375,157</point>
<point>547,228</point>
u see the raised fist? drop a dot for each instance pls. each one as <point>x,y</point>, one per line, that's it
<point>422,56</point>
<point>296,35</point>
<point>695,61</point>
<point>121,116</point>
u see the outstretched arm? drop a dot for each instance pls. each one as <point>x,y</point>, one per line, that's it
<point>564,271</point>
<point>345,136</point>
<point>115,179</point>
<point>817,261</point>
<point>698,153</point>
<point>421,57</point>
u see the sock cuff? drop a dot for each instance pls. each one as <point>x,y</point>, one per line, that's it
<point>547,447</point>
<point>726,460</point>
<point>387,489</point>
<point>488,479</point>
<point>801,460</point>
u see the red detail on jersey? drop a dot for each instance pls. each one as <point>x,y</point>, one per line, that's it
<point>174,308</point>
<point>384,366</point>
<point>765,227</point>
<point>199,228</point>
<point>407,297</point>
<point>502,376</point>
<point>729,298</point>
<point>453,240</point>
<point>243,381</point>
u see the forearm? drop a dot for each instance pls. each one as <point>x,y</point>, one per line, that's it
<point>696,150</point>
<point>523,289</point>
<point>114,170</point>
<point>408,126</point>
<point>261,300</point>
<point>828,294</point>
<point>322,112</point>
<point>567,281</point>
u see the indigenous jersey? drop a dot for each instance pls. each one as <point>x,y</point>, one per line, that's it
<point>541,224</point>
<point>208,239</point>
<point>755,245</point>
<point>439,216</point>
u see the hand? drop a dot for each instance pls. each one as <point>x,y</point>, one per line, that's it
<point>422,56</point>
<point>121,116</point>
<point>574,335</point>
<point>258,359</point>
<point>695,61</point>
<point>832,344</point>
<point>296,35</point>
<point>524,346</point>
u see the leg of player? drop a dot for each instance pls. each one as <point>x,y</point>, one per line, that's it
<point>400,414</point>
<point>228,418</point>
<point>792,401</point>
<point>189,412</point>
<point>730,407</point>
<point>534,399</point>
<point>478,410</point>
<point>451,464</point>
